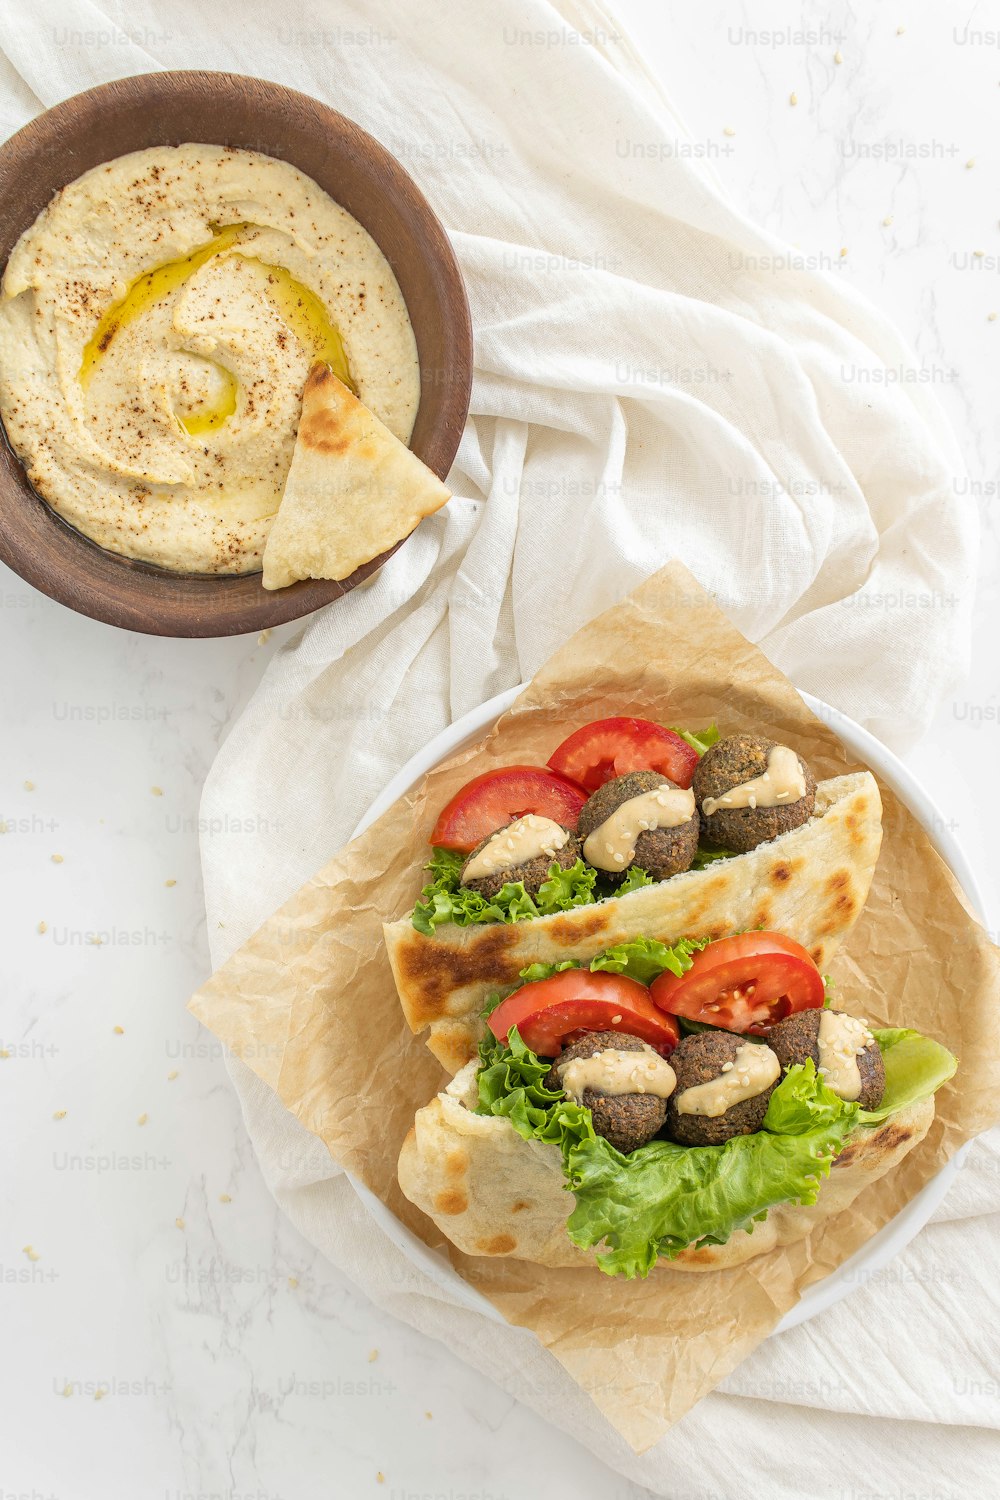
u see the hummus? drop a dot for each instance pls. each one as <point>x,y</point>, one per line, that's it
<point>157,324</point>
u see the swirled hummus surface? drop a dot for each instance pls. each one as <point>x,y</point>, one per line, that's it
<point>157,324</point>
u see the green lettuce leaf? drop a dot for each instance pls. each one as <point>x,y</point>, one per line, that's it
<point>642,959</point>
<point>705,857</point>
<point>634,881</point>
<point>700,741</point>
<point>645,958</point>
<point>915,1066</point>
<point>445,899</point>
<point>662,1197</point>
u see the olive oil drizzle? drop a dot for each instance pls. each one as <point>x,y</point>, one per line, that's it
<point>300,308</point>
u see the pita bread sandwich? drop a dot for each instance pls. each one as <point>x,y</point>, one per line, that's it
<point>623,967</point>
<point>721,1149</point>
<point>353,489</point>
<point>631,830</point>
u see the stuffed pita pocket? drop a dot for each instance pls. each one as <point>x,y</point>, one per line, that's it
<point>699,1180</point>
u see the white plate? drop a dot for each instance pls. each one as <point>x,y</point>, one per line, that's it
<point>881,1248</point>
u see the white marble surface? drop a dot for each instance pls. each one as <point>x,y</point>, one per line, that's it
<point>233,1364</point>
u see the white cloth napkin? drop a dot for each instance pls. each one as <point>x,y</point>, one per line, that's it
<point>655,378</point>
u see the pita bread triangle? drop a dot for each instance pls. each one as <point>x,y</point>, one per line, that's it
<point>352,492</point>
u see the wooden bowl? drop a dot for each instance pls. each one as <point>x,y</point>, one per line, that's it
<point>226,109</point>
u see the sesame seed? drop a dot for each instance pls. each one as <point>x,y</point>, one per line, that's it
<point>727,1067</point>
<point>293,1282</point>
<point>57,859</point>
<point>619,858</point>
<point>172,1075</point>
<point>119,1030</point>
<point>887,220</point>
<point>970,163</point>
<point>169,882</point>
<point>43,927</point>
<point>728,130</point>
<point>838,58</point>
<point>615,1020</point>
<point>60,1114</point>
<point>179,1223</point>
<point>793,98</point>
<point>142,1119</point>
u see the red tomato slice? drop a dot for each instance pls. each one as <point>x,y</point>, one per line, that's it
<point>612,747</point>
<point>746,983</point>
<point>552,1011</point>
<point>490,801</point>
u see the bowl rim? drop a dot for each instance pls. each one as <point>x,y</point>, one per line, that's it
<point>871,1257</point>
<point>35,539</point>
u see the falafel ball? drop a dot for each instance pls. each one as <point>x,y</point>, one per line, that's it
<point>797,1038</point>
<point>626,1121</point>
<point>729,763</point>
<point>661,852</point>
<point>700,1058</point>
<point>532,873</point>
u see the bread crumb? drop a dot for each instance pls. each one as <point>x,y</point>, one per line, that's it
<point>57,859</point>
<point>42,927</point>
<point>170,882</point>
<point>838,58</point>
<point>29,786</point>
<point>729,130</point>
<point>142,1119</point>
<point>793,98</point>
<point>60,1114</point>
<point>264,637</point>
<point>179,1223</point>
<point>293,1282</point>
<point>119,1031</point>
<point>172,1075</point>
<point>31,1252</point>
<point>157,791</point>
<point>373,1356</point>
<point>225,1198</point>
